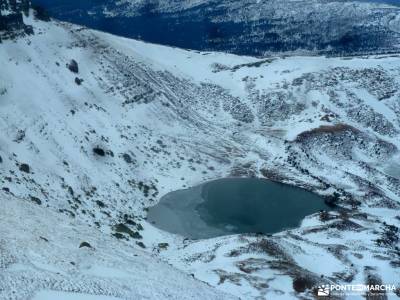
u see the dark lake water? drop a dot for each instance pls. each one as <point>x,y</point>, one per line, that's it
<point>233,206</point>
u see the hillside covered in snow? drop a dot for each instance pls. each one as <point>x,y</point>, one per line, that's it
<point>96,128</point>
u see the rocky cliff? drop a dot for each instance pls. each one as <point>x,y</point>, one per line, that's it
<point>11,18</point>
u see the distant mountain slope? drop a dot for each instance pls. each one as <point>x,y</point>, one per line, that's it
<point>248,27</point>
<point>96,128</point>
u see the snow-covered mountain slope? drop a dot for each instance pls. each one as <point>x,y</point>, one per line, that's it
<point>246,27</point>
<point>98,128</point>
<point>47,256</point>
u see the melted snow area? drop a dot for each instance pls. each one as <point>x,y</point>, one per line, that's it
<point>82,160</point>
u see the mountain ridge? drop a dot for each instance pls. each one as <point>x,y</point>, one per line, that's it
<point>256,28</point>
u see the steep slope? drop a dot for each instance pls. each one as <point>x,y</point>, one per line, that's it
<point>334,27</point>
<point>98,128</point>
<point>47,256</point>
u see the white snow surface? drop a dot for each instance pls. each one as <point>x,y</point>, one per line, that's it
<point>41,260</point>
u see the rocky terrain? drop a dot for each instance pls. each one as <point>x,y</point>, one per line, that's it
<point>11,19</point>
<point>96,128</point>
<point>260,28</point>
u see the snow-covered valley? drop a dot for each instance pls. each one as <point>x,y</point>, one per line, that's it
<point>96,128</point>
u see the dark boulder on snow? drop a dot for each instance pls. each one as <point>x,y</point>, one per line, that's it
<point>101,204</point>
<point>73,66</point>
<point>25,168</point>
<point>36,200</point>
<point>301,284</point>
<point>98,151</point>
<point>78,81</point>
<point>141,245</point>
<point>85,245</point>
<point>126,157</point>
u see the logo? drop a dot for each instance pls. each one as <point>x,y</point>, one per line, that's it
<point>324,290</point>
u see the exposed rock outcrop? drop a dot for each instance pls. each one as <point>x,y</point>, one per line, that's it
<point>11,18</point>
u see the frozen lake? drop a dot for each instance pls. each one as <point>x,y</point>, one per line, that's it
<point>233,206</point>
